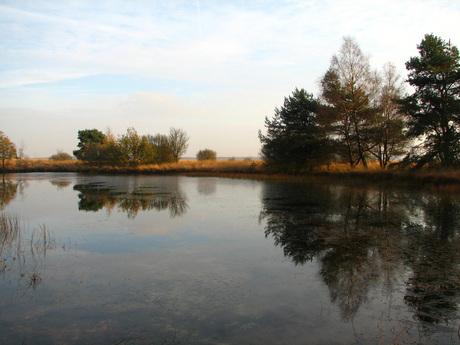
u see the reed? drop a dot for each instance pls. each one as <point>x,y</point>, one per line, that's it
<point>9,230</point>
<point>255,169</point>
<point>45,165</point>
<point>184,165</point>
<point>41,241</point>
<point>20,254</point>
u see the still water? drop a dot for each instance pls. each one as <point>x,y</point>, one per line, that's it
<point>181,260</point>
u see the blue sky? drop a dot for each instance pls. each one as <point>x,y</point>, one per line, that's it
<point>213,68</point>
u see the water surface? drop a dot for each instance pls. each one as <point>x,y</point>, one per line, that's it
<point>180,260</point>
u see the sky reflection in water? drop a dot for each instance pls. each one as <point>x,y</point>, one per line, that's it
<point>168,260</point>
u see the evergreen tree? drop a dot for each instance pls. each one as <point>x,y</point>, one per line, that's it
<point>88,138</point>
<point>434,108</point>
<point>294,140</point>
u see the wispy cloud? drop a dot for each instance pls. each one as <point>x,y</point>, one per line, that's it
<point>213,60</point>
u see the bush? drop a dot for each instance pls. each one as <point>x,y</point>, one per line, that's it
<point>206,154</point>
<point>61,156</point>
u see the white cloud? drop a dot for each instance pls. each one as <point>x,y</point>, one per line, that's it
<point>232,63</point>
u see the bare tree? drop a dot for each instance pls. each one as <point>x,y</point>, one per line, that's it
<point>22,151</point>
<point>350,89</point>
<point>389,139</point>
<point>178,142</point>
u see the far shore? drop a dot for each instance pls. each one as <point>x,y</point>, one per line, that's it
<point>250,168</point>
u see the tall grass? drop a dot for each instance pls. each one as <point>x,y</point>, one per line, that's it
<point>9,231</point>
<point>44,165</point>
<point>184,165</point>
<point>254,168</point>
<point>21,254</point>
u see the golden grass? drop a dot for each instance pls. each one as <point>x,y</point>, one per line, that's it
<point>217,166</point>
<point>185,165</point>
<point>253,168</point>
<point>40,165</point>
<point>345,167</point>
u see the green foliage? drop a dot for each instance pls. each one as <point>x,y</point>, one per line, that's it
<point>434,108</point>
<point>294,140</point>
<point>163,152</point>
<point>206,154</point>
<point>7,149</point>
<point>135,149</point>
<point>88,138</point>
<point>130,148</point>
<point>61,156</point>
<point>357,118</point>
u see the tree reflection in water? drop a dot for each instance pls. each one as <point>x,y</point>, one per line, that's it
<point>367,237</point>
<point>132,197</point>
<point>8,191</point>
<point>60,184</point>
<point>433,256</point>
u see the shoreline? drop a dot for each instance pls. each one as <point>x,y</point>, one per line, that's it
<point>250,169</point>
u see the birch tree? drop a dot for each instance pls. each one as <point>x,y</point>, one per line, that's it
<point>349,87</point>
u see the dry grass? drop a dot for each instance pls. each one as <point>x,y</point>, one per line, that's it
<point>253,168</point>
<point>216,166</point>
<point>345,167</point>
<point>184,165</point>
<point>44,165</point>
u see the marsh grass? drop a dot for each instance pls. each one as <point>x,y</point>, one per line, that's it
<point>255,169</point>
<point>33,279</point>
<point>22,255</point>
<point>9,230</point>
<point>184,165</point>
<point>44,165</point>
<point>41,241</point>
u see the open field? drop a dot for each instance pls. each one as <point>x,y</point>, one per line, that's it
<point>250,168</point>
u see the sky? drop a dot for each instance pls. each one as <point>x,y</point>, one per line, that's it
<point>213,68</point>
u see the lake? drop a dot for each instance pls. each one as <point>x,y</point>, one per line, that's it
<point>191,260</point>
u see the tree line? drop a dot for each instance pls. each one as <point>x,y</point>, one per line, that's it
<point>130,148</point>
<point>362,114</point>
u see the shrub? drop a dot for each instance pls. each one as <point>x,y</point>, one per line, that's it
<point>206,154</point>
<point>61,156</point>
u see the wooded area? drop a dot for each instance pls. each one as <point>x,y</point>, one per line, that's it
<point>363,115</point>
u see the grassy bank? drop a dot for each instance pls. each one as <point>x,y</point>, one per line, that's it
<point>250,168</point>
<point>183,166</point>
